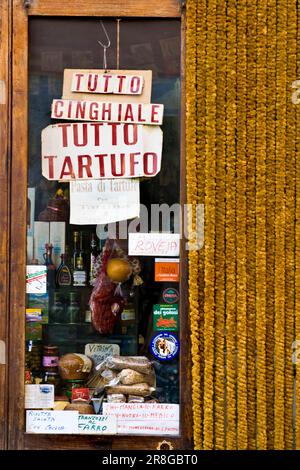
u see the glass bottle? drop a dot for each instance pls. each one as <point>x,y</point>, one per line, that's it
<point>57,310</point>
<point>73,309</point>
<point>50,267</point>
<point>94,260</point>
<point>79,274</point>
<point>64,274</point>
<point>75,249</point>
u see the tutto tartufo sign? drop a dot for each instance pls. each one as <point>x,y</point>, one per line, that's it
<point>95,150</point>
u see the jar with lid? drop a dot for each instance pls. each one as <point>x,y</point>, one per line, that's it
<point>73,309</point>
<point>50,359</point>
<point>53,378</point>
<point>57,310</point>
<point>33,358</point>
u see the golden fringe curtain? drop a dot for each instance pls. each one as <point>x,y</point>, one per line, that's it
<point>243,151</point>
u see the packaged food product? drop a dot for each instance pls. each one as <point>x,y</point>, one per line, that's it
<point>82,406</point>
<point>129,377</point>
<point>75,366</point>
<point>116,398</point>
<point>142,389</point>
<point>135,399</point>
<point>138,363</point>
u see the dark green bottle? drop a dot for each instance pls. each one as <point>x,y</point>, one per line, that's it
<point>73,309</point>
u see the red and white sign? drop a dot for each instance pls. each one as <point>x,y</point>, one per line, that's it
<point>96,150</point>
<point>153,244</point>
<point>144,418</point>
<point>109,112</point>
<point>119,83</point>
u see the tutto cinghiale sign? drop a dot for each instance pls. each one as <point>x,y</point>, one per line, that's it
<point>100,150</point>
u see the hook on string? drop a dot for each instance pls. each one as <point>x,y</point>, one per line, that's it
<point>105,46</point>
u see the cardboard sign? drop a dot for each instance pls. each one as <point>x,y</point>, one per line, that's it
<point>99,352</point>
<point>100,150</point>
<point>108,112</point>
<point>166,270</point>
<point>144,418</point>
<point>76,81</point>
<point>39,396</point>
<point>108,83</point>
<point>97,424</point>
<point>154,244</point>
<point>36,279</point>
<point>51,422</point>
<point>165,317</point>
<point>104,201</point>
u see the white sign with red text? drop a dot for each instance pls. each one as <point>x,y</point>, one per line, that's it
<point>96,150</point>
<point>144,418</point>
<point>109,112</point>
<point>119,83</point>
<point>153,244</point>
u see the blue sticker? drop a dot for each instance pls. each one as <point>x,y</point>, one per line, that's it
<point>165,346</point>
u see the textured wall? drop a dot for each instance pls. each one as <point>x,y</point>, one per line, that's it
<point>243,141</point>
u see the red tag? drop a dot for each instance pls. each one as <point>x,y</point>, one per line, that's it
<point>83,393</point>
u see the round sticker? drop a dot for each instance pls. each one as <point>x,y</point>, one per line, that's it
<point>165,346</point>
<point>170,295</point>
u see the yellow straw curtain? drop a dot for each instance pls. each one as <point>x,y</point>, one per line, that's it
<point>243,151</point>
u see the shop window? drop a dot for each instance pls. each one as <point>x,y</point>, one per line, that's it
<point>102,316</point>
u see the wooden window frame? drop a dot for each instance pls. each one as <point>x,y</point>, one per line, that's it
<point>17,438</point>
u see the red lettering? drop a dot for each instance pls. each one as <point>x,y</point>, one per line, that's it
<point>147,157</point>
<point>129,113</point>
<point>96,127</point>
<point>119,112</point>
<point>50,165</point>
<point>64,133</point>
<point>84,135</point>
<point>135,85</point>
<point>113,165</point>
<point>84,166</point>
<point>70,109</point>
<point>94,114</point>
<point>101,163</point>
<point>154,113</point>
<point>114,132</point>
<point>107,79</point>
<point>121,79</point>
<point>58,114</point>
<point>133,162</point>
<point>67,169</point>
<point>106,110</point>
<point>78,83</point>
<point>134,128</point>
<point>140,109</point>
<point>92,86</point>
<point>80,109</point>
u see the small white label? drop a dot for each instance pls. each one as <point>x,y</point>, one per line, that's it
<point>39,396</point>
<point>79,278</point>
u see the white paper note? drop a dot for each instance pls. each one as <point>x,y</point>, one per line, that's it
<point>51,422</point>
<point>39,396</point>
<point>104,201</point>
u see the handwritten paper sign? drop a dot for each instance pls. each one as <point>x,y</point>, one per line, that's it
<point>99,352</point>
<point>154,244</point>
<point>83,84</point>
<point>39,396</point>
<point>51,422</point>
<point>144,418</point>
<point>97,424</point>
<point>95,150</point>
<point>36,279</point>
<point>166,270</point>
<point>104,201</point>
<point>109,112</point>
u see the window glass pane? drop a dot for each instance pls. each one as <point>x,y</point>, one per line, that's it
<point>137,306</point>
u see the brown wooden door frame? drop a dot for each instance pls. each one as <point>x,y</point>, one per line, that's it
<point>4,209</point>
<point>17,438</point>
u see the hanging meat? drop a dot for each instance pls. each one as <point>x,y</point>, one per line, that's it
<point>106,301</point>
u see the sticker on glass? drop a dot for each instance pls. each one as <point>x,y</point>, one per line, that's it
<point>165,346</point>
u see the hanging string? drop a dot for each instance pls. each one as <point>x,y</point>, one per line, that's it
<point>105,46</point>
<point>118,43</point>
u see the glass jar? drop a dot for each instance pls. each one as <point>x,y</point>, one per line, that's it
<point>50,359</point>
<point>57,310</point>
<point>73,309</point>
